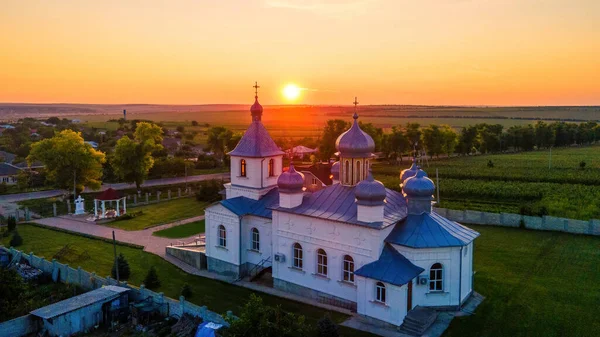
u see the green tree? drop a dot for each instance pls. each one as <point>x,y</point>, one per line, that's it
<point>433,140</point>
<point>11,223</point>
<point>194,123</point>
<point>374,132</point>
<point>123,265</point>
<point>449,140</point>
<point>12,289</point>
<point>467,140</point>
<point>16,239</point>
<point>133,157</point>
<point>327,328</point>
<point>151,280</point>
<point>220,141</point>
<point>333,129</point>
<point>413,134</point>
<point>186,291</point>
<point>69,161</point>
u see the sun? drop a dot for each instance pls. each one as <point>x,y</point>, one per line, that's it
<point>291,92</point>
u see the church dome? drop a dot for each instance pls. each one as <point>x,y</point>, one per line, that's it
<point>290,181</point>
<point>355,143</point>
<point>335,170</point>
<point>419,185</point>
<point>370,192</point>
<point>409,172</point>
<point>256,110</point>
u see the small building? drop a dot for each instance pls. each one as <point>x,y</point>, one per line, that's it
<point>8,174</point>
<point>83,312</point>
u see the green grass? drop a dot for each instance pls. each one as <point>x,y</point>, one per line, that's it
<point>182,231</point>
<point>161,213</point>
<point>217,296</point>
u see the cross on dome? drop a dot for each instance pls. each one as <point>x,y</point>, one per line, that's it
<point>256,86</point>
<point>256,109</point>
<point>355,104</point>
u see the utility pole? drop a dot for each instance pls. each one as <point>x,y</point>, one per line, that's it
<point>437,182</point>
<point>185,168</point>
<point>550,162</point>
<point>116,262</point>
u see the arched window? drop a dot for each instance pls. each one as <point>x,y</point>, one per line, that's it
<point>222,236</point>
<point>435,277</point>
<point>358,177</point>
<point>347,172</point>
<point>243,168</point>
<point>321,262</point>
<point>348,269</point>
<point>271,167</point>
<point>380,292</point>
<point>297,263</point>
<point>255,239</point>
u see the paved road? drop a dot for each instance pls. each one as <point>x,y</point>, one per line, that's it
<point>119,186</point>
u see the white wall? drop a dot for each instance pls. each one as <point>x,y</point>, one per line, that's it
<point>218,215</point>
<point>467,272</point>
<point>265,238</point>
<point>363,244</point>
<point>254,166</point>
<point>393,311</point>
<point>8,180</point>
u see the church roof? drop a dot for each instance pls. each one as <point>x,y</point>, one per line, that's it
<point>337,203</point>
<point>391,267</point>
<point>430,230</point>
<point>256,143</point>
<point>245,206</point>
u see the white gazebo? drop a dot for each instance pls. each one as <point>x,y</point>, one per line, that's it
<point>109,195</point>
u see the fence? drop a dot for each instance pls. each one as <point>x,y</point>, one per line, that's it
<point>545,223</point>
<point>89,281</point>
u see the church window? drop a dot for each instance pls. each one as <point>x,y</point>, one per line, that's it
<point>435,277</point>
<point>243,168</point>
<point>271,167</point>
<point>380,292</point>
<point>222,236</point>
<point>358,177</point>
<point>297,263</point>
<point>255,239</point>
<point>321,262</point>
<point>348,269</point>
<point>347,172</point>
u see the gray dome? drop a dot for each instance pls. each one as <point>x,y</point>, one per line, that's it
<point>355,143</point>
<point>370,192</point>
<point>409,172</point>
<point>335,170</point>
<point>419,185</point>
<point>291,181</point>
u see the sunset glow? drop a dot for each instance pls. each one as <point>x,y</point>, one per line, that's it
<point>291,92</point>
<point>496,52</point>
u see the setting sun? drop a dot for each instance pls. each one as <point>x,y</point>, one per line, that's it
<point>291,92</point>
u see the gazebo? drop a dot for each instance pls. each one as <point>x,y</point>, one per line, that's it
<point>109,195</point>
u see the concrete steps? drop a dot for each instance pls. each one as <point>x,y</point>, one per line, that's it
<point>418,320</point>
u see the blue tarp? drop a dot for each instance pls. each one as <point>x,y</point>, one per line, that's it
<point>207,329</point>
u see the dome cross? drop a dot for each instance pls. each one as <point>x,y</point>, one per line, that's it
<point>256,86</point>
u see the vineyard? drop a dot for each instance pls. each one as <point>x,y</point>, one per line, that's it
<point>516,183</point>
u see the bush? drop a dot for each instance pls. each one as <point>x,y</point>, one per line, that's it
<point>16,240</point>
<point>123,265</point>
<point>582,164</point>
<point>3,188</point>
<point>208,190</point>
<point>327,328</point>
<point>490,164</point>
<point>186,291</point>
<point>12,223</point>
<point>151,280</point>
<point>131,215</point>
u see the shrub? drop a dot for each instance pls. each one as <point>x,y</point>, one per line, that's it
<point>12,223</point>
<point>16,240</point>
<point>582,164</point>
<point>123,265</point>
<point>208,190</point>
<point>186,291</point>
<point>151,280</point>
<point>3,188</point>
<point>130,215</point>
<point>490,164</point>
<point>327,328</point>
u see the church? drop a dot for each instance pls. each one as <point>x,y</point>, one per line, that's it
<point>354,244</point>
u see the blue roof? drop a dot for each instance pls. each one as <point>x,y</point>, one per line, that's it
<point>80,301</point>
<point>430,230</point>
<point>391,267</point>
<point>256,142</point>
<point>337,203</point>
<point>245,206</point>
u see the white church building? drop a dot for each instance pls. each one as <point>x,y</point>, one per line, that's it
<point>354,244</point>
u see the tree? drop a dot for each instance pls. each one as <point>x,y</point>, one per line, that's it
<point>220,141</point>
<point>180,128</point>
<point>69,161</point>
<point>151,280</point>
<point>333,129</point>
<point>194,123</point>
<point>467,140</point>
<point>327,328</point>
<point>133,157</point>
<point>449,140</point>
<point>11,223</point>
<point>259,320</point>
<point>186,291</point>
<point>12,289</point>
<point>413,134</point>
<point>432,140</point>
<point>16,240</point>
<point>123,265</point>
<point>374,132</point>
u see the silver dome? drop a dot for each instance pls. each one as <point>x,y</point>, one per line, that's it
<point>291,181</point>
<point>419,185</point>
<point>355,143</point>
<point>335,170</point>
<point>409,172</point>
<point>370,192</point>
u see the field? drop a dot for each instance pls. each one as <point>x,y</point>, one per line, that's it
<point>520,182</point>
<point>182,231</point>
<point>161,213</point>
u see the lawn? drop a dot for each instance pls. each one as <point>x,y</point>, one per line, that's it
<point>161,213</point>
<point>182,231</point>
<point>217,296</point>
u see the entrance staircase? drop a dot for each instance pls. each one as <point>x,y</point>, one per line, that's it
<point>418,320</point>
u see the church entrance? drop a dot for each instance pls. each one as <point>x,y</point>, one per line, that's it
<point>409,297</point>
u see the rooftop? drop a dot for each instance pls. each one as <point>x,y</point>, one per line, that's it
<point>256,143</point>
<point>8,169</point>
<point>80,301</point>
<point>245,206</point>
<point>391,267</point>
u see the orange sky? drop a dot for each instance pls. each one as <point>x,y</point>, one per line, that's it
<point>494,52</point>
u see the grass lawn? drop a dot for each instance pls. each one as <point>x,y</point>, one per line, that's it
<point>182,231</point>
<point>217,296</point>
<point>161,213</point>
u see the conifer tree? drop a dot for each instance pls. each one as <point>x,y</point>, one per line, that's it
<point>151,281</point>
<point>123,265</point>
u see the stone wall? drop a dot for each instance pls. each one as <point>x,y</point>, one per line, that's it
<point>192,257</point>
<point>545,223</point>
<point>19,326</point>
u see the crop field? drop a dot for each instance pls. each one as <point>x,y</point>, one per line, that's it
<point>516,182</point>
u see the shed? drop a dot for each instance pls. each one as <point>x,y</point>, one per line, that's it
<point>83,312</point>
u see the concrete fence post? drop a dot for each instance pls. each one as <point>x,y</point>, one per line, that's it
<point>68,206</point>
<point>17,215</point>
<point>66,273</point>
<point>31,259</point>
<point>182,304</point>
<point>79,272</point>
<point>203,310</point>
<point>179,192</point>
<point>27,214</point>
<point>157,196</point>
<point>143,291</point>
<point>93,280</point>
<point>169,194</point>
<point>147,198</point>
<point>135,199</point>
<point>591,227</point>
<point>54,209</point>
<point>566,225</point>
